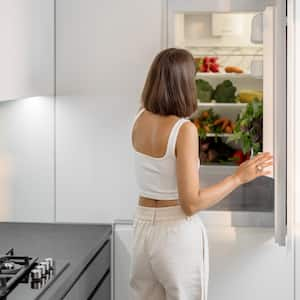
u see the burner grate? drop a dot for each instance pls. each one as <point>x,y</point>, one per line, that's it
<point>13,270</point>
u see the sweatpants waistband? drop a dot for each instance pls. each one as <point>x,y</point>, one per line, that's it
<point>160,214</point>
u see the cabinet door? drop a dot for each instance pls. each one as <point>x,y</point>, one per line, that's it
<point>275,102</point>
<point>26,125</point>
<point>122,245</point>
<point>27,48</point>
<point>104,50</point>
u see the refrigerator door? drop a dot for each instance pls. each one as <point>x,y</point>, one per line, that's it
<point>274,39</point>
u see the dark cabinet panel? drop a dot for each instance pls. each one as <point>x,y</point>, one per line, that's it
<point>91,276</point>
<point>103,292</point>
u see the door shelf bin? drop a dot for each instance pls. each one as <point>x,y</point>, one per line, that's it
<point>255,196</point>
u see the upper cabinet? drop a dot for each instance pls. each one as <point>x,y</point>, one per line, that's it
<point>27,48</point>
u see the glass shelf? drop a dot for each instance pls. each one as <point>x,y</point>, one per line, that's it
<point>223,75</point>
<point>213,104</point>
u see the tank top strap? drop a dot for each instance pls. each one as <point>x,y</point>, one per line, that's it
<point>173,136</point>
<point>135,118</point>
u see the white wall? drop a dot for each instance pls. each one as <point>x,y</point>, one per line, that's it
<point>27,49</point>
<point>104,49</point>
<point>26,160</point>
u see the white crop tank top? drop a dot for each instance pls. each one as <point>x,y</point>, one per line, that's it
<point>156,176</point>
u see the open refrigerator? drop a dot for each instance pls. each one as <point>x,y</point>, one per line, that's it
<point>239,49</point>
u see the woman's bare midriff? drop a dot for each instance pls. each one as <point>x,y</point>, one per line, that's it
<point>147,202</point>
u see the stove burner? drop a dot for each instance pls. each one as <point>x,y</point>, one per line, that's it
<point>9,268</point>
<point>25,275</point>
<point>13,269</point>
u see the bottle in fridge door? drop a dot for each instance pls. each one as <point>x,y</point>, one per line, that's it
<point>240,58</point>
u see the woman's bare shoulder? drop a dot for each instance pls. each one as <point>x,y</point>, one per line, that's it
<point>188,129</point>
<point>188,134</point>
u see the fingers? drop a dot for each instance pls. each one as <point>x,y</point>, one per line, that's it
<point>264,173</point>
<point>262,158</point>
<point>266,164</point>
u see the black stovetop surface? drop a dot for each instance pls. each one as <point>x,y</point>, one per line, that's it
<point>73,243</point>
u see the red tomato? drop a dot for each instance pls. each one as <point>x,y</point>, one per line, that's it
<point>214,68</point>
<point>238,156</point>
<point>213,59</point>
<point>247,156</point>
<point>203,68</point>
<point>206,60</point>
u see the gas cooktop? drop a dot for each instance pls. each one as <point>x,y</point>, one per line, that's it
<point>27,278</point>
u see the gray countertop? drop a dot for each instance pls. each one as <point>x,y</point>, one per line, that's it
<point>75,243</point>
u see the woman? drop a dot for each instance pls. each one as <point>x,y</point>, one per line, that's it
<point>170,251</point>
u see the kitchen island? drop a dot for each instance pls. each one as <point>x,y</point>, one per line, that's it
<point>84,247</point>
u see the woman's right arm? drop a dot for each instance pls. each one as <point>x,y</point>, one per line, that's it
<point>194,199</point>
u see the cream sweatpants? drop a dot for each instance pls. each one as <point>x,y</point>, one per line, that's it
<point>170,255</point>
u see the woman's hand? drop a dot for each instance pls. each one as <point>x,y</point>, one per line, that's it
<point>255,167</point>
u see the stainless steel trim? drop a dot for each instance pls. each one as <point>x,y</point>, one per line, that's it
<point>280,128</point>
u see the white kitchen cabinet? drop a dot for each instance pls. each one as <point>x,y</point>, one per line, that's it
<point>121,255</point>
<point>244,264</point>
<point>27,122</point>
<point>103,52</point>
<point>27,48</point>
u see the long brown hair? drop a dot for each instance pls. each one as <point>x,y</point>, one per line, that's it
<point>170,85</point>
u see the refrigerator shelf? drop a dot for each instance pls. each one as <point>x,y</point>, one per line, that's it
<point>227,110</point>
<point>226,166</point>
<point>223,75</point>
<point>213,104</point>
<point>221,50</point>
<point>218,134</point>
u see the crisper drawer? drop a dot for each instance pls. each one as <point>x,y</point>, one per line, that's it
<point>90,278</point>
<point>103,292</point>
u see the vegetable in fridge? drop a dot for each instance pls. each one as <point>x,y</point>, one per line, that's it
<point>247,96</point>
<point>248,131</point>
<point>225,92</point>
<point>204,90</point>
<point>233,69</point>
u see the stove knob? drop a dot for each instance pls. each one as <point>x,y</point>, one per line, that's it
<point>47,277</point>
<point>36,274</point>
<point>9,265</point>
<point>42,269</point>
<point>36,284</point>
<point>46,265</point>
<point>50,262</point>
